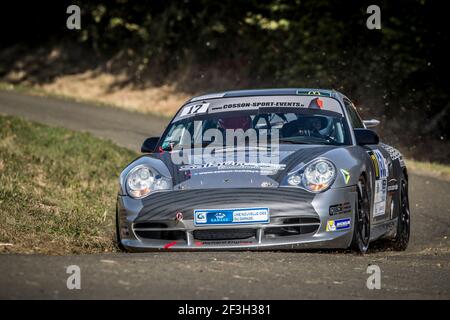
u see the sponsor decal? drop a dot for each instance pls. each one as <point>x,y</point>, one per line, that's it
<point>231,216</point>
<point>375,164</point>
<point>257,104</point>
<point>337,225</point>
<point>305,99</point>
<point>381,175</point>
<point>313,93</point>
<point>382,164</point>
<point>341,208</point>
<point>267,184</point>
<point>178,216</point>
<point>393,187</point>
<point>224,242</point>
<point>219,217</point>
<point>170,244</point>
<point>264,168</point>
<point>346,175</point>
<point>200,217</point>
<point>316,103</point>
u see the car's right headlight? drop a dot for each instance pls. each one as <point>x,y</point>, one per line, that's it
<point>142,180</point>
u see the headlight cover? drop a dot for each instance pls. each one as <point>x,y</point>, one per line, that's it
<point>317,176</point>
<point>142,180</point>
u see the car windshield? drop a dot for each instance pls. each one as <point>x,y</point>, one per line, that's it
<point>298,127</point>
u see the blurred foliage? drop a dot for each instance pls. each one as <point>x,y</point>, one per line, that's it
<point>397,72</point>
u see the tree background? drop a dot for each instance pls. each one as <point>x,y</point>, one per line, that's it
<point>398,74</point>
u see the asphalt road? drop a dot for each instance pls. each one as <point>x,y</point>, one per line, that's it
<point>422,271</point>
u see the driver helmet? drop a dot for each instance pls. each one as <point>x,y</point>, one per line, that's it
<point>239,122</point>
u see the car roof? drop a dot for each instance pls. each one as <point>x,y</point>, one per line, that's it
<point>270,92</point>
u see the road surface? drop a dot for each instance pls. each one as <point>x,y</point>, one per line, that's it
<point>422,271</point>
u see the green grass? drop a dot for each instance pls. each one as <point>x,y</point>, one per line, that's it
<point>57,189</point>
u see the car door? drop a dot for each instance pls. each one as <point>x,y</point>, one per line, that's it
<point>383,174</point>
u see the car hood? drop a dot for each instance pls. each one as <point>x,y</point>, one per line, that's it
<point>240,174</point>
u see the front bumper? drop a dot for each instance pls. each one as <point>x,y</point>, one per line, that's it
<point>298,220</point>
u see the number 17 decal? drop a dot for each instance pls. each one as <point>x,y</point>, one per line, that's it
<point>194,109</point>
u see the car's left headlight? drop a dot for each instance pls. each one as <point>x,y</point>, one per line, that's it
<point>317,176</point>
<point>142,180</point>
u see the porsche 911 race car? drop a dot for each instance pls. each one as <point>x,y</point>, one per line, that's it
<point>265,169</point>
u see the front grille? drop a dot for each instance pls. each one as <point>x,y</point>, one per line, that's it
<point>224,234</point>
<point>161,235</point>
<point>289,231</point>
<point>312,225</point>
<point>142,231</point>
<point>300,220</point>
<point>152,225</point>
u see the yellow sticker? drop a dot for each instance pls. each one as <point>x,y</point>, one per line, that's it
<point>346,175</point>
<point>330,225</point>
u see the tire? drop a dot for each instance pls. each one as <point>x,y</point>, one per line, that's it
<point>361,228</point>
<point>118,238</point>
<point>401,239</point>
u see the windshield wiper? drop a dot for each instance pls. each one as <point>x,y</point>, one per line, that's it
<point>176,144</point>
<point>292,141</point>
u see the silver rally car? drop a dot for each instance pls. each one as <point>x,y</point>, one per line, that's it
<point>265,169</point>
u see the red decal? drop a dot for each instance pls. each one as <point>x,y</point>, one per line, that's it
<point>198,243</point>
<point>170,244</point>
<point>319,103</point>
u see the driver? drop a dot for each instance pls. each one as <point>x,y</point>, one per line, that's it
<point>239,122</point>
<point>316,124</point>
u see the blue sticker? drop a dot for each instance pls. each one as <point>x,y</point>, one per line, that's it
<point>336,225</point>
<point>230,216</point>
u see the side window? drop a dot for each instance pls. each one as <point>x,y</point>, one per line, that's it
<point>355,120</point>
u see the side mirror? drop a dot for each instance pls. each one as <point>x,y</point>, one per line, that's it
<point>149,145</point>
<point>366,136</point>
<point>371,123</point>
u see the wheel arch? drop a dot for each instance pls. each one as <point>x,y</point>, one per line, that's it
<point>405,173</point>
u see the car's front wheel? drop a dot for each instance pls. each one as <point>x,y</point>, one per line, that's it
<point>361,229</point>
<point>401,240</point>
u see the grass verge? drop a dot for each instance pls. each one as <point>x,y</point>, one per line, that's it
<point>429,169</point>
<point>76,97</point>
<point>57,189</point>
<point>36,91</point>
